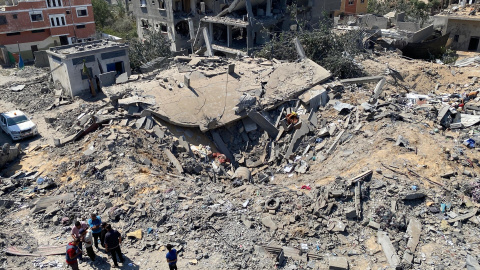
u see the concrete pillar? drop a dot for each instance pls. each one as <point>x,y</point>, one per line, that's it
<point>231,68</point>
<point>210,31</point>
<point>268,12</point>
<point>249,39</point>
<point>193,7</point>
<point>186,80</point>
<point>207,42</point>
<point>229,35</point>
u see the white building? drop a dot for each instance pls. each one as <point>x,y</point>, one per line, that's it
<point>104,59</point>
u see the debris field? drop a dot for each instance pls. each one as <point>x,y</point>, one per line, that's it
<point>239,171</point>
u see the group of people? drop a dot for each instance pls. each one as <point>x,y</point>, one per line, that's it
<point>110,239</point>
<point>90,234</point>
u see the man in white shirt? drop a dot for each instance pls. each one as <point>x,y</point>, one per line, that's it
<point>87,238</point>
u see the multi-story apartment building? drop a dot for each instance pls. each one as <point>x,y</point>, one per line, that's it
<point>30,25</point>
<point>231,26</point>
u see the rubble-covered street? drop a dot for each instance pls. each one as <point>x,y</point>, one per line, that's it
<point>250,164</point>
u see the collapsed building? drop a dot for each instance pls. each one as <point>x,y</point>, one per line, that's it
<point>233,27</point>
<point>462,27</point>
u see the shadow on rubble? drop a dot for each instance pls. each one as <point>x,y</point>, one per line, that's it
<point>106,263</point>
<point>87,97</point>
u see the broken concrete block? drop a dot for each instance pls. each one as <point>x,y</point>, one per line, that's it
<point>174,160</point>
<point>268,222</point>
<point>472,263</point>
<point>374,225</point>
<point>122,78</point>
<point>103,166</point>
<point>249,125</point>
<point>263,123</point>
<point>401,141</point>
<point>414,230</point>
<point>350,213</point>
<point>388,249</point>
<point>337,263</point>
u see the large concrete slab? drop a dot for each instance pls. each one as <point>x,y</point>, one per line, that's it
<point>210,100</point>
<point>388,249</point>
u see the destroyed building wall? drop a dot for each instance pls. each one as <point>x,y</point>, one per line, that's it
<point>372,21</point>
<point>464,32</point>
<point>8,153</point>
<point>167,16</point>
<point>422,34</point>
<point>67,63</point>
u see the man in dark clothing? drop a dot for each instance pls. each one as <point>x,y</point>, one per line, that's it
<point>102,234</point>
<point>113,239</point>
<point>172,257</point>
<point>72,254</point>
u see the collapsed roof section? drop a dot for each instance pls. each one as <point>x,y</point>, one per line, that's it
<point>223,92</point>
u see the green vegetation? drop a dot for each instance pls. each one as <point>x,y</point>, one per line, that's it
<point>335,52</point>
<point>114,20</point>
<point>153,45</point>
<point>415,10</point>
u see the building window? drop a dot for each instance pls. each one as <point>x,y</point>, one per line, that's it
<point>350,2</point>
<point>85,76</point>
<point>13,34</point>
<point>455,38</point>
<point>144,23</point>
<point>38,31</point>
<point>57,20</point>
<point>54,3</point>
<point>3,20</point>
<point>15,16</point>
<point>80,26</point>
<point>143,3</point>
<point>36,16</point>
<point>82,12</point>
<point>163,28</point>
<point>67,12</point>
<point>362,1</point>
<point>161,4</point>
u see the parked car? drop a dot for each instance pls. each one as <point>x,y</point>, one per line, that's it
<point>17,125</point>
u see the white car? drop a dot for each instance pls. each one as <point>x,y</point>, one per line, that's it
<point>17,125</point>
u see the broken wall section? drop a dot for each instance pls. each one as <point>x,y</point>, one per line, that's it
<point>9,153</point>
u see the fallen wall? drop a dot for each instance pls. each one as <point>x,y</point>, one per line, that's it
<point>422,34</point>
<point>41,59</point>
<point>8,153</point>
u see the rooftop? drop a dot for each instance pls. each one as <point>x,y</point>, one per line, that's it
<point>85,48</point>
<point>460,13</point>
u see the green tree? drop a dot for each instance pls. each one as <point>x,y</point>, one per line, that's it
<point>153,45</point>
<point>335,52</point>
<point>102,12</point>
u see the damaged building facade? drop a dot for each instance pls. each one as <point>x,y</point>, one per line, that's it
<point>464,30</point>
<point>29,26</point>
<point>231,27</point>
<point>103,59</point>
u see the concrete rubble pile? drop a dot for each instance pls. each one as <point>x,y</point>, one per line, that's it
<point>246,193</point>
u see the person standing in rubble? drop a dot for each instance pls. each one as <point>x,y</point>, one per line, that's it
<point>86,237</point>
<point>76,233</point>
<point>94,222</point>
<point>113,239</point>
<point>102,234</point>
<point>72,254</point>
<point>172,257</point>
